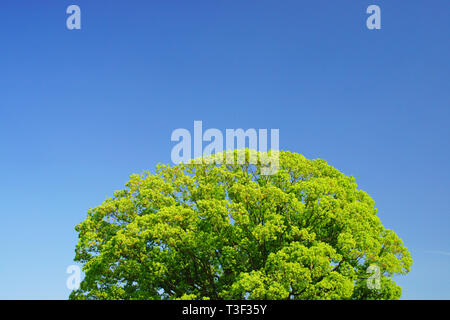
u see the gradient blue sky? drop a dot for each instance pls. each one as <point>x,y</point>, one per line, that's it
<point>80,111</point>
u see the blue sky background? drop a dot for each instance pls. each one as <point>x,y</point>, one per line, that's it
<point>80,111</point>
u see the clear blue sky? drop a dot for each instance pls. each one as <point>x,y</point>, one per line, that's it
<point>82,110</point>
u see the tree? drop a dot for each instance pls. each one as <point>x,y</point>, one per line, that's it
<point>224,231</point>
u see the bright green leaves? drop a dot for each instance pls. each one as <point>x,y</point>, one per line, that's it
<point>295,272</point>
<point>206,231</point>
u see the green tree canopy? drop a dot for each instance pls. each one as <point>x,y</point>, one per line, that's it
<point>210,231</point>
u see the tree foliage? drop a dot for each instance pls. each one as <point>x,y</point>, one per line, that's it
<point>210,231</point>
